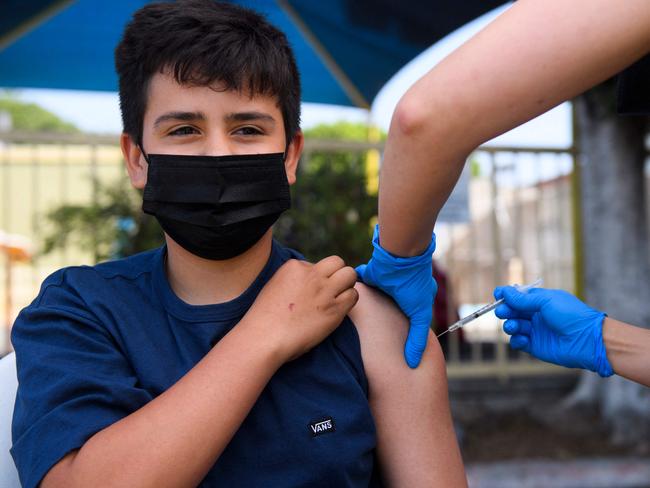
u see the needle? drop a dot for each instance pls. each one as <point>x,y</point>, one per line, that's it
<point>488,308</point>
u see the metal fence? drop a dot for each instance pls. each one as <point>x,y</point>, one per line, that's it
<point>520,227</point>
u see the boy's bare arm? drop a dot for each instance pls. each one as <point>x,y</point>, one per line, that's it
<point>534,56</point>
<point>417,445</point>
<point>175,439</point>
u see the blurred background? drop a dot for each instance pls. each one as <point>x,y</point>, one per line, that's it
<point>564,198</point>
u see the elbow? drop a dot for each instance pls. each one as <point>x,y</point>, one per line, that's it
<point>426,120</point>
<point>419,118</point>
<point>409,118</point>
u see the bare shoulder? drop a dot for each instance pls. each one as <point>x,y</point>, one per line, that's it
<point>382,332</point>
<point>377,315</point>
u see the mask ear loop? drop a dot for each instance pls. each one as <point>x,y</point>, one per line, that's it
<point>144,154</point>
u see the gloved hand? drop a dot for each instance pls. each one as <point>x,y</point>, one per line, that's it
<point>554,326</point>
<point>410,282</point>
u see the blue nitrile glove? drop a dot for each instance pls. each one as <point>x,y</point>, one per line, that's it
<point>554,326</point>
<point>410,282</point>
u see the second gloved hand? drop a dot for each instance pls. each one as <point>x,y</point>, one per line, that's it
<point>554,326</point>
<point>410,283</point>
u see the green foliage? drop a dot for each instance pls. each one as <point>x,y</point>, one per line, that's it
<point>332,212</point>
<point>341,131</point>
<point>29,117</point>
<point>113,226</point>
<point>475,168</point>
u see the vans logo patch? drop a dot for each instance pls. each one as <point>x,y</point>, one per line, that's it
<point>322,427</point>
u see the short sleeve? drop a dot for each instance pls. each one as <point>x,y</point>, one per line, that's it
<point>73,379</point>
<point>346,340</point>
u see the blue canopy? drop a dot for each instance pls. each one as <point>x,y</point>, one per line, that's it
<point>346,49</point>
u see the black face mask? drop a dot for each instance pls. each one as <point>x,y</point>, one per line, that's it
<point>216,207</point>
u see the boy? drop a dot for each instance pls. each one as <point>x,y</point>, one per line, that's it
<point>219,359</point>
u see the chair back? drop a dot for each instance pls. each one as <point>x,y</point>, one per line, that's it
<point>8,387</point>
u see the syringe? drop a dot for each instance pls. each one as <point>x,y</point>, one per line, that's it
<point>489,307</point>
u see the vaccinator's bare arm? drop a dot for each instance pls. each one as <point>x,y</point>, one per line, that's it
<point>531,58</point>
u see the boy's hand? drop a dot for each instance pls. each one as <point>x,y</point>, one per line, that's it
<point>302,304</point>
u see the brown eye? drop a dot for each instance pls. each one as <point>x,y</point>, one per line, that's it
<point>248,131</point>
<point>183,131</point>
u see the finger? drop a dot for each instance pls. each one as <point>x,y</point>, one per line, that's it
<point>524,302</point>
<point>503,311</point>
<point>510,327</point>
<point>360,270</point>
<point>525,327</point>
<point>539,290</point>
<point>329,265</point>
<point>498,292</point>
<point>520,326</point>
<point>342,280</point>
<point>520,343</point>
<point>416,342</point>
<point>347,299</point>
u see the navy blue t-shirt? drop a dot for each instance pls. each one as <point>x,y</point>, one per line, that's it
<point>100,342</point>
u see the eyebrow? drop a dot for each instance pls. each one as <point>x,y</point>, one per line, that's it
<point>249,116</point>
<point>183,116</point>
<point>200,116</point>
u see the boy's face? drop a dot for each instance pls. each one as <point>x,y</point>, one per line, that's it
<point>201,120</point>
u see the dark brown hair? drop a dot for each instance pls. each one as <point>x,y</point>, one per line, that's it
<point>203,42</point>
